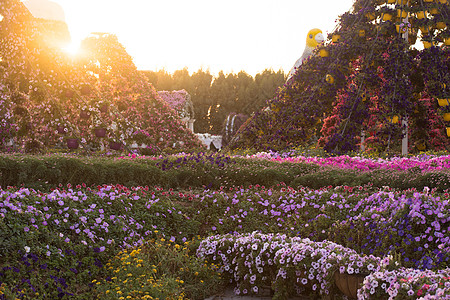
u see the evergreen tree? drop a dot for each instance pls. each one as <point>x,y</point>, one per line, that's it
<point>214,98</point>
<point>201,98</point>
<point>182,80</point>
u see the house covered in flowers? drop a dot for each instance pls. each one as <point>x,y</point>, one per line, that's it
<point>181,102</point>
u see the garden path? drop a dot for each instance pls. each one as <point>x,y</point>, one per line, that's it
<point>228,294</point>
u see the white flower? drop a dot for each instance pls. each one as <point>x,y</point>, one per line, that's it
<point>27,249</point>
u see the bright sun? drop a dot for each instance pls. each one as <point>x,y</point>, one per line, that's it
<point>73,48</point>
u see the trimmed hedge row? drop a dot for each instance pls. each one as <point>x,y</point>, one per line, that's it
<point>198,171</point>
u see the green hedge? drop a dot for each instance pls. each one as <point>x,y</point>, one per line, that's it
<point>198,171</point>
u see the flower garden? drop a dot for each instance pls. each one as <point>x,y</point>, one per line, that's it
<point>177,239</point>
<point>133,207</point>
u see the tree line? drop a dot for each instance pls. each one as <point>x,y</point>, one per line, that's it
<point>214,97</point>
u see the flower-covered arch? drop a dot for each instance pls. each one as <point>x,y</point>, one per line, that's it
<point>363,82</point>
<point>48,96</point>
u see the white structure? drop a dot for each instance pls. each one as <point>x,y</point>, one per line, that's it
<point>208,139</point>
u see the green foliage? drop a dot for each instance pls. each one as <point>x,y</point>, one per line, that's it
<point>216,97</point>
<point>160,269</point>
<point>199,171</point>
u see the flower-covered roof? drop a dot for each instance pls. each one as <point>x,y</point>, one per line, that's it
<point>180,101</point>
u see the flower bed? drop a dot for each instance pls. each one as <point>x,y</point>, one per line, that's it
<point>291,265</point>
<point>405,283</point>
<point>71,233</point>
<point>421,163</point>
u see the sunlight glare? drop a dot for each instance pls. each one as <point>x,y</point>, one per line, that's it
<point>72,49</point>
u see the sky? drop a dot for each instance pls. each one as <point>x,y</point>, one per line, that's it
<point>231,35</point>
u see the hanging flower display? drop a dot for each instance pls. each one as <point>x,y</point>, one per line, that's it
<point>370,73</point>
